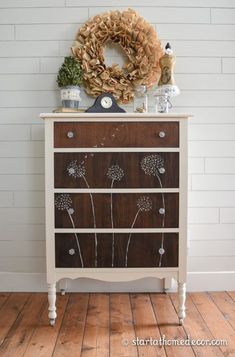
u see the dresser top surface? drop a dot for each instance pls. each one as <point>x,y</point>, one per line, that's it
<point>124,116</point>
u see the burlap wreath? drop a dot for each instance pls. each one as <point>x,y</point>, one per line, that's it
<point>138,40</point>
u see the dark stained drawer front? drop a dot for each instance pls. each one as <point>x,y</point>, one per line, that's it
<point>128,134</point>
<point>117,210</point>
<point>143,250</point>
<point>117,170</point>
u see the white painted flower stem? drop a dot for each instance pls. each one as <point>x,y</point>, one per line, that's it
<point>77,240</point>
<point>112,223</point>
<point>163,220</point>
<point>94,220</point>
<point>129,238</point>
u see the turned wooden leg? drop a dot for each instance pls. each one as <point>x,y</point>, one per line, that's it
<point>182,298</point>
<point>52,306</point>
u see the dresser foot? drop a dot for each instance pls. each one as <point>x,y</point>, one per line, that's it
<point>182,299</point>
<point>52,322</point>
<point>52,303</point>
<point>62,292</point>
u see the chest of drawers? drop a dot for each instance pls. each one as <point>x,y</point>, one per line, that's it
<point>116,198</point>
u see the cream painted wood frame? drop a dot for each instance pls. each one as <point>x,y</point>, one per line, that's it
<point>115,274</point>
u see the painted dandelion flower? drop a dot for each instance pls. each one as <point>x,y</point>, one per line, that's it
<point>144,203</point>
<point>115,172</point>
<point>76,169</point>
<point>63,202</point>
<point>152,164</point>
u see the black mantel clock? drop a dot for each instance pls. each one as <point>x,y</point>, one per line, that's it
<point>105,103</point>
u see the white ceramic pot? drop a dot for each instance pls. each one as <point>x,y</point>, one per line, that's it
<point>70,96</point>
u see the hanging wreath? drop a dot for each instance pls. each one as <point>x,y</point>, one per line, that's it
<point>138,40</point>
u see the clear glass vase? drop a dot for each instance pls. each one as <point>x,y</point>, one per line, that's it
<point>141,99</point>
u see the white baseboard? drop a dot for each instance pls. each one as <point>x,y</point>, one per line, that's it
<point>197,281</point>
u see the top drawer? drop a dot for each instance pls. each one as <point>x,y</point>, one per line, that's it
<point>116,134</point>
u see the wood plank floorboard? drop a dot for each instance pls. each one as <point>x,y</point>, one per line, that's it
<point>219,327</point>
<point>196,328</point>
<point>108,325</point>
<point>17,340</point>
<point>169,325</point>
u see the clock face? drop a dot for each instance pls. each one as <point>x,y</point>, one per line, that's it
<point>106,102</point>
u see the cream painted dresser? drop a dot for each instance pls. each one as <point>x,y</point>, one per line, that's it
<point>116,198</point>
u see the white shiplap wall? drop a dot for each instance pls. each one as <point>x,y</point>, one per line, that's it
<point>34,36</point>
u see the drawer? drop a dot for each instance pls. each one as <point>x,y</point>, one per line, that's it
<point>117,170</point>
<point>143,250</point>
<point>116,210</point>
<point>116,134</point>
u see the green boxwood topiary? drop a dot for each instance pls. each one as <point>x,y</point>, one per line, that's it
<point>70,73</point>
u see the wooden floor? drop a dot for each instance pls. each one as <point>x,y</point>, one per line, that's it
<point>102,325</point>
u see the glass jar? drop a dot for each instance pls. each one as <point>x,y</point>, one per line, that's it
<point>162,103</point>
<point>141,99</point>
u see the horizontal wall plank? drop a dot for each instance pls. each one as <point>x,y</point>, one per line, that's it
<point>211,264</point>
<point>29,98</point>
<point>29,199</point>
<point>220,165</point>
<point>206,81</point>
<point>196,165</point>
<point>198,65</point>
<point>165,15</point>
<point>6,32</point>
<point>17,82</point>
<point>223,16</point>
<point>168,3</point>
<point>203,98</point>
<point>196,32</point>
<point>203,215</point>
<point>50,65</point>
<point>50,15</point>
<point>31,3</point>
<point>203,48</point>
<point>215,132</point>
<point>21,149</point>
<point>22,182</point>
<point>21,116</point>
<point>37,132</point>
<point>47,32</point>
<point>14,132</point>
<point>211,231</point>
<point>22,232</point>
<point>29,48</point>
<point>211,199</point>
<point>219,248</point>
<point>213,182</point>
<point>23,264</point>
<point>21,166</point>
<point>209,115</point>
<point>19,65</point>
<point>212,148</point>
<point>24,249</point>
<point>227,215</point>
<point>22,215</point>
<point>228,65</point>
<point>6,199</point>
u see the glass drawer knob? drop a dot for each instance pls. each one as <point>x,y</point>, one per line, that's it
<point>161,210</point>
<point>71,251</point>
<point>161,134</point>
<point>70,134</point>
<point>162,170</point>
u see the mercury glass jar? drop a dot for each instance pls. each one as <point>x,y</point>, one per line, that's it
<point>141,99</point>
